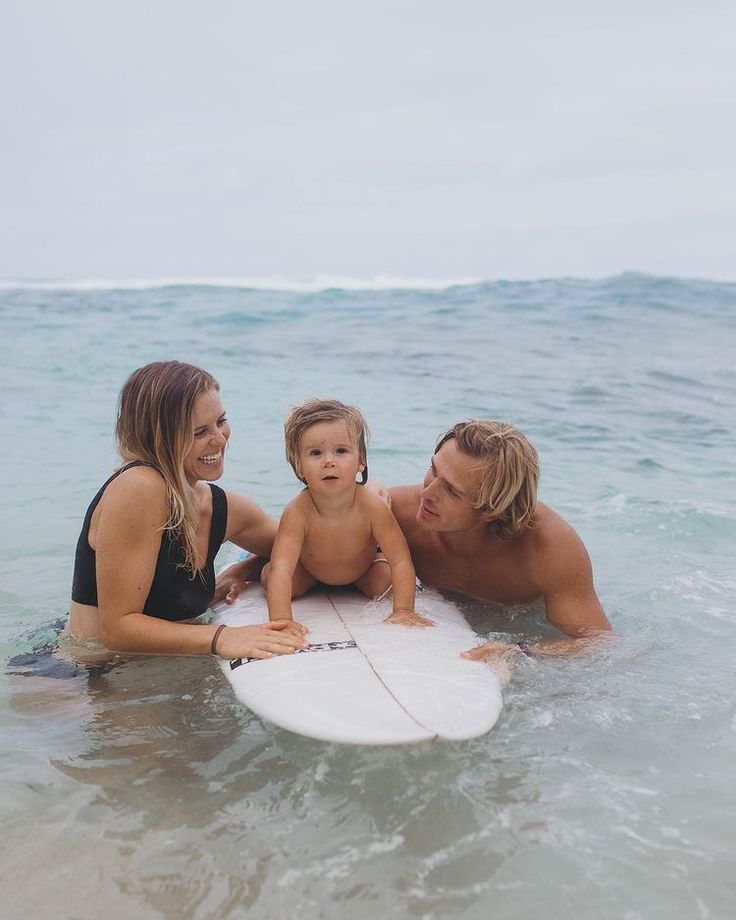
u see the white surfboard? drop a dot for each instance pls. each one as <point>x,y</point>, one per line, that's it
<point>363,681</point>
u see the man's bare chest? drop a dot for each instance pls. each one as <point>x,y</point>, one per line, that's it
<point>496,577</point>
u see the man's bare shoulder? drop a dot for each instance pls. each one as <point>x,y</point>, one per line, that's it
<point>554,549</point>
<point>371,503</point>
<point>405,503</point>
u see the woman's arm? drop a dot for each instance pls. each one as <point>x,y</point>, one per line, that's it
<point>251,528</point>
<point>248,525</point>
<point>128,537</point>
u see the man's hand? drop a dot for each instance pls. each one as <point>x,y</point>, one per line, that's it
<point>492,651</point>
<point>380,490</point>
<point>408,618</point>
<point>499,655</point>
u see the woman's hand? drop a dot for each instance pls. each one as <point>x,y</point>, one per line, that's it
<point>262,641</point>
<point>231,582</point>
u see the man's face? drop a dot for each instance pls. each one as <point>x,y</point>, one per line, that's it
<point>450,487</point>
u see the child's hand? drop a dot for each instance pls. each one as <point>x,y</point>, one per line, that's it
<point>408,618</point>
<point>290,627</point>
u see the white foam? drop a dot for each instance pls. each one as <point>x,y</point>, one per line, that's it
<point>316,284</point>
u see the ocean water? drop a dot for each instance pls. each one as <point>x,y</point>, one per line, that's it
<point>606,788</point>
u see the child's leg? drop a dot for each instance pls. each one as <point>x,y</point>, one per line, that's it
<point>301,580</point>
<point>377,580</point>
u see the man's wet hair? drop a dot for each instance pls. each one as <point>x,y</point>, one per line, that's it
<point>510,467</point>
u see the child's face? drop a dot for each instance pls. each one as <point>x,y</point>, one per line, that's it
<point>328,457</point>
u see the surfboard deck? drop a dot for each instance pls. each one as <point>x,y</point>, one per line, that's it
<point>363,681</point>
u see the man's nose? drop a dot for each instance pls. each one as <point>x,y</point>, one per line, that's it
<point>429,488</point>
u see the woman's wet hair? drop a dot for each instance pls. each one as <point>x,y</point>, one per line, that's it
<point>154,423</point>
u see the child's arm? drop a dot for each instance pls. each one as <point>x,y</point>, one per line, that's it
<point>394,546</point>
<point>286,551</point>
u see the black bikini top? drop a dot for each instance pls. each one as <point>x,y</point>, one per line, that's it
<point>174,594</point>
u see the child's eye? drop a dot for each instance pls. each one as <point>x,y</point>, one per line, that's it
<point>222,421</point>
<point>342,450</point>
<point>314,452</point>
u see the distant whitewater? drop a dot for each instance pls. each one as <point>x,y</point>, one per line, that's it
<point>318,283</point>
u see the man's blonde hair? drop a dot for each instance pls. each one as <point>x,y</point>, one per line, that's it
<point>154,423</point>
<point>510,467</point>
<point>324,410</point>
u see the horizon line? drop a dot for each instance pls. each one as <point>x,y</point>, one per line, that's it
<point>318,283</point>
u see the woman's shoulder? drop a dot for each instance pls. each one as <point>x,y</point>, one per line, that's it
<point>135,489</point>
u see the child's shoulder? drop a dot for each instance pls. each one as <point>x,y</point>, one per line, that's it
<point>300,503</point>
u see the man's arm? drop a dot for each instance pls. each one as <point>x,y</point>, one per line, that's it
<point>570,602</point>
<point>563,571</point>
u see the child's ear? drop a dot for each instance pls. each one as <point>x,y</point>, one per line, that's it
<point>363,470</point>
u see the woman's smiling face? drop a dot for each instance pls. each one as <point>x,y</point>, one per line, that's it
<point>211,429</point>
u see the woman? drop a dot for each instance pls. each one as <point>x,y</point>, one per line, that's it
<point>145,556</point>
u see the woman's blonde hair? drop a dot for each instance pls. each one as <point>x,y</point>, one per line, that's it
<point>154,423</point>
<point>324,410</point>
<point>510,467</point>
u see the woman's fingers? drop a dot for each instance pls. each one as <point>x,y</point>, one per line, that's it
<point>257,642</point>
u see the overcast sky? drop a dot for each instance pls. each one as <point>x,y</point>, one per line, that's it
<point>417,139</point>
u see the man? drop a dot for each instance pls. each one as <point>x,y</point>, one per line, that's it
<point>475,526</point>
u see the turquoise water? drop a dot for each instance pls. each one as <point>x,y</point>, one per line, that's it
<point>605,790</point>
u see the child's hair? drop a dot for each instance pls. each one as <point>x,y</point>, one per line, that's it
<point>510,466</point>
<point>154,423</point>
<point>324,410</point>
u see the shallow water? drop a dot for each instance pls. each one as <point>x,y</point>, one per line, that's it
<point>605,790</point>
